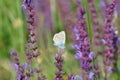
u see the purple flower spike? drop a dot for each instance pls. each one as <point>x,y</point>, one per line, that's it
<point>59,65</point>
<point>109,38</point>
<point>82,42</point>
<point>26,71</point>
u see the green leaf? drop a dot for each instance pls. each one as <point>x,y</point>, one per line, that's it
<point>89,24</point>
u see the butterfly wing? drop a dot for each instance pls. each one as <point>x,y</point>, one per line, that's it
<point>59,39</point>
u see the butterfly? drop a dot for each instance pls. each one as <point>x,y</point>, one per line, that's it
<point>59,39</point>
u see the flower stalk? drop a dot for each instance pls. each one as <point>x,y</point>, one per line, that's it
<point>82,44</point>
<point>108,37</point>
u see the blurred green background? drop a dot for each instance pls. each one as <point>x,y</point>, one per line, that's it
<point>14,34</point>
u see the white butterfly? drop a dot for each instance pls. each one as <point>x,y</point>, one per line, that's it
<point>59,39</point>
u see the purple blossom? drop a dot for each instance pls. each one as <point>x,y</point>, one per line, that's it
<point>76,46</point>
<point>59,65</point>
<point>91,55</point>
<point>91,76</point>
<point>26,78</point>
<point>19,77</point>
<point>78,55</point>
<point>103,41</point>
<point>24,6</point>
<point>12,52</point>
<point>102,3</point>
<point>110,69</point>
<point>25,71</point>
<point>16,67</point>
<point>14,57</point>
<point>76,29</point>
<point>70,77</point>
<point>24,65</point>
<point>109,36</point>
<point>86,66</point>
<point>77,36</point>
<point>81,42</point>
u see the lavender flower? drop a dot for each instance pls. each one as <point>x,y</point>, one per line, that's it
<point>76,77</point>
<point>103,41</point>
<point>78,55</point>
<point>76,46</point>
<point>59,64</point>
<point>26,71</point>
<point>83,53</point>
<point>91,76</point>
<point>15,58</point>
<point>108,36</point>
<point>91,55</point>
<point>19,69</point>
<point>31,48</point>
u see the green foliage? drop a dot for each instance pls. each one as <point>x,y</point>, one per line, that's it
<point>89,24</point>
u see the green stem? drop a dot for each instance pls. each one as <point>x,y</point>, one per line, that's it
<point>89,24</point>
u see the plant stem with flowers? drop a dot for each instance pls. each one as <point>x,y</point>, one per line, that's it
<point>82,44</point>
